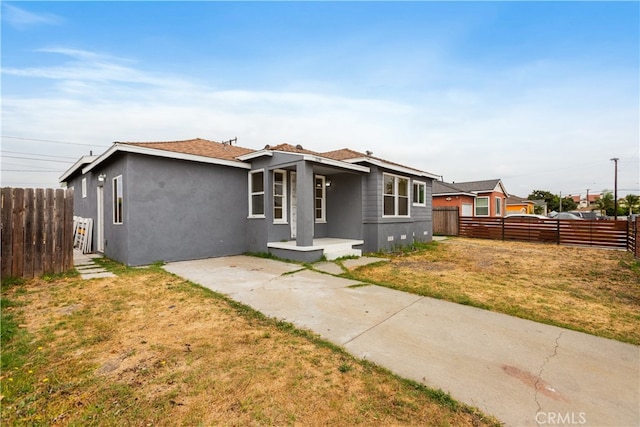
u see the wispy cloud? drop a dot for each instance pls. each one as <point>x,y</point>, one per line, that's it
<point>86,66</point>
<point>22,19</point>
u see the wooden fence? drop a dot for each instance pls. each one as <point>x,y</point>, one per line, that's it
<point>37,231</point>
<point>445,221</point>
<point>633,244</point>
<point>602,234</point>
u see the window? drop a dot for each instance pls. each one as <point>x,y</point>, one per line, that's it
<point>280,196</point>
<point>256,194</point>
<point>319,196</point>
<point>482,206</point>
<point>395,196</point>
<point>419,193</point>
<point>117,200</point>
<point>84,188</point>
<point>498,206</point>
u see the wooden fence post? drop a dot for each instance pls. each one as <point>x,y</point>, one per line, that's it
<point>7,232</point>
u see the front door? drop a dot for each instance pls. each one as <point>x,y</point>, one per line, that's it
<point>100,219</point>
<point>294,205</point>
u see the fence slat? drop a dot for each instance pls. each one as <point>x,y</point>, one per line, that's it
<point>58,230</point>
<point>38,256</point>
<point>48,230</point>
<point>29,235</point>
<point>67,248</point>
<point>7,232</point>
<point>17,218</point>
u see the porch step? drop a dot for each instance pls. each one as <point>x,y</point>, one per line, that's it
<point>331,248</point>
<point>332,253</point>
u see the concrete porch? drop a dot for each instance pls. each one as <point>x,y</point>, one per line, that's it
<point>331,248</point>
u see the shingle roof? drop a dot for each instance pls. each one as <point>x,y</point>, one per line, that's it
<point>348,154</point>
<point>291,149</point>
<point>441,187</point>
<point>198,147</point>
<point>516,200</point>
<point>344,154</point>
<point>477,186</point>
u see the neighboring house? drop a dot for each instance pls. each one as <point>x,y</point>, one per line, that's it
<point>540,207</point>
<point>448,195</point>
<point>197,198</point>
<point>586,202</point>
<point>474,198</point>
<point>516,204</point>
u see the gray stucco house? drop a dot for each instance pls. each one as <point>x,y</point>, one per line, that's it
<point>180,200</point>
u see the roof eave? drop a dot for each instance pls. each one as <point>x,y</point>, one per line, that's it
<point>397,168</point>
<point>126,148</point>
<point>460,193</point>
<point>77,165</point>
<point>255,155</point>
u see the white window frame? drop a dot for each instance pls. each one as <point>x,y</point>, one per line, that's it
<point>256,193</point>
<point>282,196</point>
<point>84,188</point>
<point>118,195</point>
<point>498,201</point>
<point>396,196</point>
<point>421,185</point>
<point>475,206</point>
<point>322,198</point>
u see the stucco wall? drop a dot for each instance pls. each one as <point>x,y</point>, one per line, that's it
<point>178,210</point>
<point>344,207</point>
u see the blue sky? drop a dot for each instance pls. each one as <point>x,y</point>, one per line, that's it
<point>539,94</point>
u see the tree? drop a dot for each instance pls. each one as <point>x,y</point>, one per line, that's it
<point>632,203</point>
<point>553,200</point>
<point>547,196</point>
<point>605,203</point>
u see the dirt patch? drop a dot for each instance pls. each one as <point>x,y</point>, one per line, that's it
<point>591,290</point>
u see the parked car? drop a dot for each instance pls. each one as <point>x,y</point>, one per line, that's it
<point>585,215</point>
<point>525,216</point>
<point>567,215</point>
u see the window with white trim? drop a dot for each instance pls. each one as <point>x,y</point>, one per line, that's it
<point>319,191</point>
<point>498,206</point>
<point>256,194</point>
<point>395,195</point>
<point>419,193</point>
<point>118,200</point>
<point>482,206</point>
<point>280,196</point>
<point>84,188</point>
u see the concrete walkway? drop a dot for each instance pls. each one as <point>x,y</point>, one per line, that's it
<point>522,372</point>
<point>87,268</point>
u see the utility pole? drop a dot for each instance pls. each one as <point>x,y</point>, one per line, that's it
<point>587,197</point>
<point>615,189</point>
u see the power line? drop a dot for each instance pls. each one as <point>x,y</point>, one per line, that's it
<point>41,160</point>
<point>23,165</point>
<point>34,154</point>
<point>51,141</point>
<point>27,170</point>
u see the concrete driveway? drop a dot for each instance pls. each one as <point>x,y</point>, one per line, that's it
<point>522,372</point>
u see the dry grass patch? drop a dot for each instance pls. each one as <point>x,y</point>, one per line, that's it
<point>591,290</point>
<point>147,348</point>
